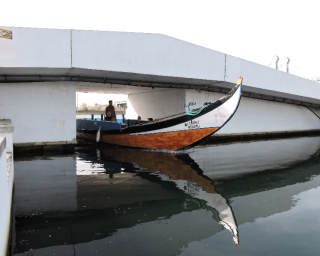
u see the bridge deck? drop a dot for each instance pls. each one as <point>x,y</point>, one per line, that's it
<point>120,62</point>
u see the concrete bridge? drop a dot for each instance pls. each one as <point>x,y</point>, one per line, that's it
<point>42,69</point>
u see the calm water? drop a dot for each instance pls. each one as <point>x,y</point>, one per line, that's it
<point>263,196</point>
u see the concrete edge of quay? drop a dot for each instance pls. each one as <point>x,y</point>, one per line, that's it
<point>68,146</point>
<point>44,146</point>
<point>238,137</point>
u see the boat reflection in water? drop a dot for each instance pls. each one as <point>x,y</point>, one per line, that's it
<point>193,172</point>
<point>238,159</point>
<point>190,171</point>
<point>113,201</point>
<point>169,168</point>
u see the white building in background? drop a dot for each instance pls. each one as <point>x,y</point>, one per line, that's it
<point>121,103</point>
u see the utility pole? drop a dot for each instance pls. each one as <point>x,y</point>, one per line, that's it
<point>287,60</point>
<point>276,60</point>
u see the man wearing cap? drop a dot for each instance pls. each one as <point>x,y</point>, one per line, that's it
<point>111,109</point>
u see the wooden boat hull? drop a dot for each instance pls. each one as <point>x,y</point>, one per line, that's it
<point>168,140</point>
<point>171,133</point>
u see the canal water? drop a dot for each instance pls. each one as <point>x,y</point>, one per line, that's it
<point>251,198</point>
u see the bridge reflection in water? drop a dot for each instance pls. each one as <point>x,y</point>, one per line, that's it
<point>111,201</point>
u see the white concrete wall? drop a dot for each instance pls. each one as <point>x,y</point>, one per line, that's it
<point>260,115</point>
<point>142,53</point>
<point>252,115</point>
<point>200,97</point>
<point>266,116</point>
<point>155,104</point>
<point>40,112</point>
<point>36,48</point>
<point>6,186</point>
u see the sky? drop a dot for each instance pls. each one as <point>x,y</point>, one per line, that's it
<point>251,30</point>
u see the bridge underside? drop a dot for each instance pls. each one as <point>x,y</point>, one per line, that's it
<point>110,82</point>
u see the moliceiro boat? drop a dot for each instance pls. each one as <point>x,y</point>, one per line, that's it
<point>170,133</point>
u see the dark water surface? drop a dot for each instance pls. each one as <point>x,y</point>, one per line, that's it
<point>262,196</point>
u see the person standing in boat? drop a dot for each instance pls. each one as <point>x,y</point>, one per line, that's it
<point>111,109</point>
<point>108,116</point>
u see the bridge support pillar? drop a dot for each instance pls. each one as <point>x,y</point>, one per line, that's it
<point>42,112</point>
